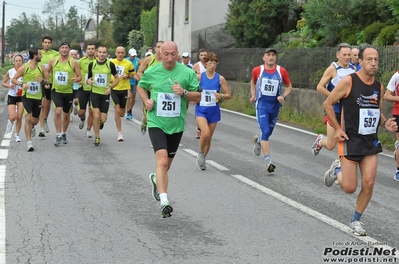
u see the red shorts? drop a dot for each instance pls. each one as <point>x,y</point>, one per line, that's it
<point>326,120</point>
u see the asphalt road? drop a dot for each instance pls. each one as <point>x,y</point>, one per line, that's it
<point>82,204</point>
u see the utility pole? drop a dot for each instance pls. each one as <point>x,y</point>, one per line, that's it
<point>98,13</point>
<point>2,35</point>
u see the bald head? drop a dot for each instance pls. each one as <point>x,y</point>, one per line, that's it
<point>120,53</point>
<point>169,54</point>
<point>355,55</point>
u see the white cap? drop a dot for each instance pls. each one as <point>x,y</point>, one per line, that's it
<point>148,53</point>
<point>186,55</point>
<point>132,52</point>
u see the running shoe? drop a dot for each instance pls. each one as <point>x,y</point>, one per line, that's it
<point>166,210</point>
<point>57,141</point>
<point>46,126</point>
<point>75,110</point>
<point>329,176</point>
<point>120,136</point>
<point>88,134</point>
<point>81,124</point>
<point>101,125</point>
<point>9,127</point>
<point>396,149</point>
<point>64,139</point>
<point>201,161</point>
<point>30,147</point>
<point>357,228</point>
<point>396,175</point>
<point>17,138</point>
<point>96,142</point>
<point>270,166</point>
<point>316,147</point>
<point>129,115</point>
<point>198,134</point>
<point>42,132</point>
<point>33,132</point>
<point>257,147</point>
<point>155,193</point>
<point>143,127</point>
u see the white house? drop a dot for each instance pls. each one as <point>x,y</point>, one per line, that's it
<point>194,24</point>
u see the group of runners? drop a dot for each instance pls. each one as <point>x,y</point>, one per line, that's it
<point>353,106</point>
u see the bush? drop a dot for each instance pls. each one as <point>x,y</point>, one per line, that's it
<point>148,25</point>
<point>387,35</point>
<point>348,35</point>
<point>136,39</point>
<point>371,32</point>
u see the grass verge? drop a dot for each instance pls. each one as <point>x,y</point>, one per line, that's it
<point>240,103</point>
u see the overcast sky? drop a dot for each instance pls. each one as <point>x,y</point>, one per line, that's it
<point>14,8</point>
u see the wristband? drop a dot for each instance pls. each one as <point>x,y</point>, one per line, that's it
<point>222,96</point>
<point>284,96</point>
<point>383,123</point>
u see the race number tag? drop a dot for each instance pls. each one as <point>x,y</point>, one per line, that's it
<point>368,121</point>
<point>34,88</point>
<point>269,87</point>
<point>168,105</point>
<point>208,98</point>
<point>120,70</point>
<point>61,78</point>
<point>100,80</point>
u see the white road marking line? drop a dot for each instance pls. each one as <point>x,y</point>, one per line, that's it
<point>7,135</point>
<point>2,216</point>
<point>210,162</point>
<point>5,143</point>
<point>344,228</point>
<point>3,153</point>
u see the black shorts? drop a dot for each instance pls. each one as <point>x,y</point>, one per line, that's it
<point>32,106</point>
<point>62,100</point>
<point>119,98</point>
<point>83,98</point>
<point>397,122</point>
<point>161,140</point>
<point>354,158</point>
<point>47,92</point>
<point>100,101</point>
<point>13,100</point>
<point>75,94</point>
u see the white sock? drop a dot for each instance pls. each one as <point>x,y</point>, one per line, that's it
<point>164,198</point>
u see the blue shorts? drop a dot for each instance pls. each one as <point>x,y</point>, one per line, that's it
<point>211,114</point>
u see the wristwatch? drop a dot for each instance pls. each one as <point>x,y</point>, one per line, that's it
<point>185,92</point>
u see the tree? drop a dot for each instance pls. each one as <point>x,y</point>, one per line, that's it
<point>73,27</point>
<point>149,4</point>
<point>148,25</point>
<point>257,23</point>
<point>126,17</point>
<point>24,32</point>
<point>104,6</point>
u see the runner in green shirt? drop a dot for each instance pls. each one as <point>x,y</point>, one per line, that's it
<point>172,85</point>
<point>34,77</point>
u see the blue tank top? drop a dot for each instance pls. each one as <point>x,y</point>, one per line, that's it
<point>268,88</point>
<point>209,88</point>
<point>135,63</point>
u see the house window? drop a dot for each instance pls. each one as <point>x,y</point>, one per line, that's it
<point>170,12</point>
<point>186,11</point>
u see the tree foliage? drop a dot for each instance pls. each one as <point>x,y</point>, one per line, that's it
<point>126,17</point>
<point>257,23</point>
<point>136,39</point>
<point>148,25</point>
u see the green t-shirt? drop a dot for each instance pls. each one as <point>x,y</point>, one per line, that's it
<point>35,88</point>
<point>46,58</point>
<point>63,73</point>
<point>170,110</point>
<point>101,75</point>
<point>84,70</point>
